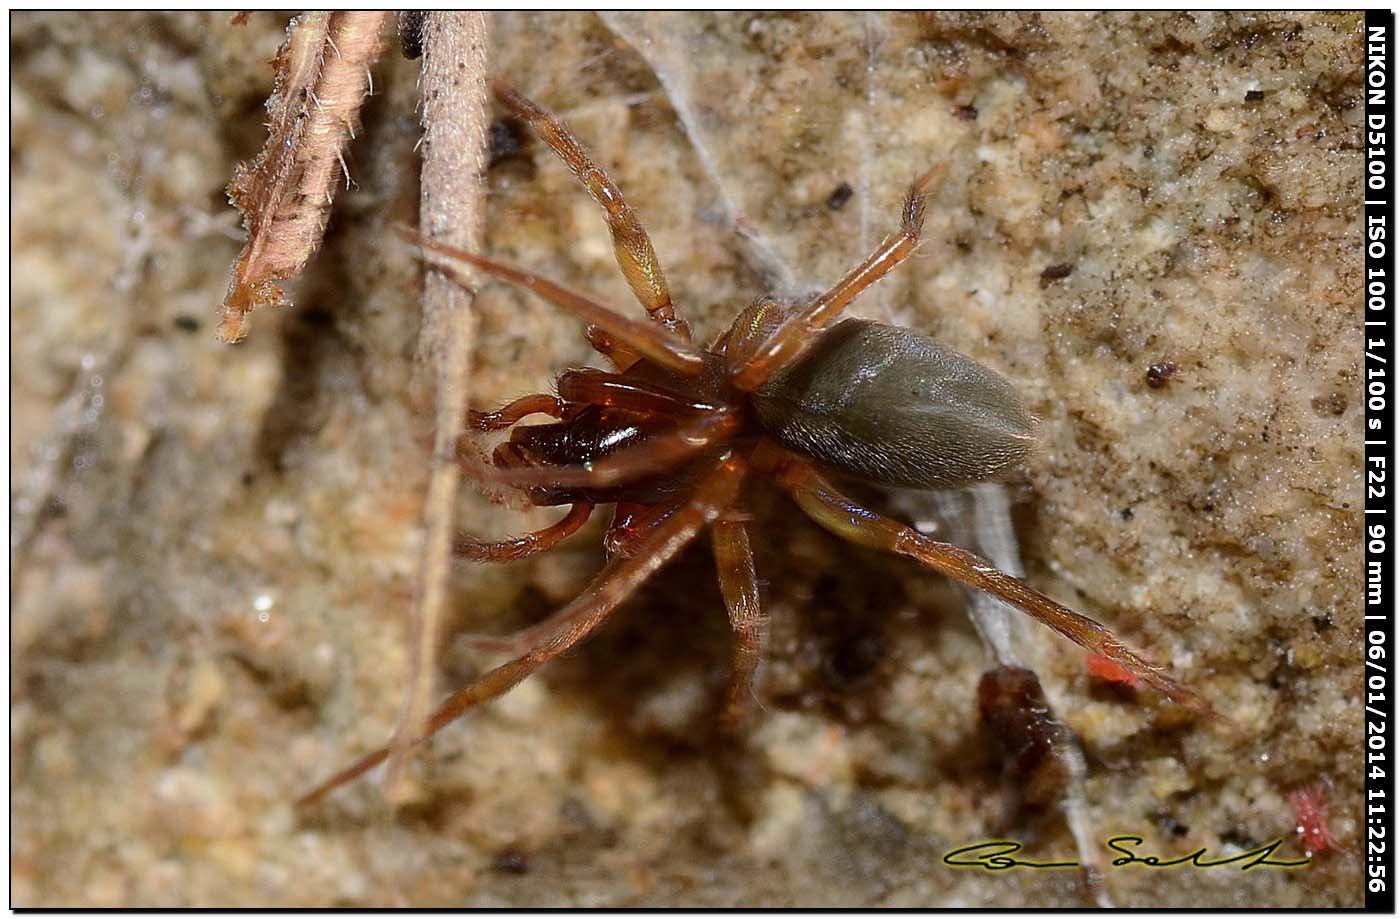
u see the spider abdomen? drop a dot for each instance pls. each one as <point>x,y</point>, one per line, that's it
<point>897,408</point>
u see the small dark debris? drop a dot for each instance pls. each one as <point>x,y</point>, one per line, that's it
<point>187,323</point>
<point>1055,273</point>
<point>247,479</point>
<point>317,316</point>
<point>1322,623</point>
<point>1173,827</point>
<point>1158,374</point>
<point>507,139</point>
<point>1172,47</point>
<point>1238,838</point>
<point>839,196</point>
<point>510,861</point>
<point>1254,95</point>
<point>855,658</point>
<point>965,112</point>
<point>1018,719</point>
<point>1126,513</point>
<point>411,33</point>
<point>1333,403</point>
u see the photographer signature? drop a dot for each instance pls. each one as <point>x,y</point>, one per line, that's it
<point>998,855</point>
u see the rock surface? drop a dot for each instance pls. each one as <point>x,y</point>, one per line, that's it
<point>1149,226</point>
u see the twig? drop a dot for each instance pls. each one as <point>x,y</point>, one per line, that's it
<point>455,127</point>
<point>285,194</point>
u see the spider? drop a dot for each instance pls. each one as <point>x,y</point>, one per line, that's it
<point>669,438</point>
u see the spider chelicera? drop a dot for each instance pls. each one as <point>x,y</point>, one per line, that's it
<point>788,392</point>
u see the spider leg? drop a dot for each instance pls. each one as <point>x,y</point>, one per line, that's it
<point>629,463</point>
<point>596,387</point>
<point>579,618</point>
<point>657,343</point>
<point>476,467</point>
<point>527,545</point>
<point>739,583</point>
<point>589,387</point>
<point>631,245</point>
<point>507,415</point>
<point>842,516</point>
<point>621,357</point>
<point>787,342</point>
<point>632,523</point>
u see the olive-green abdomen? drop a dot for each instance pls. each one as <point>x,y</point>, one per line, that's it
<point>894,407</point>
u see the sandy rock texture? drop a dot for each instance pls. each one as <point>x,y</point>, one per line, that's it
<point>1148,225</point>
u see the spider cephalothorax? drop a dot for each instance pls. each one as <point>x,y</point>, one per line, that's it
<point>788,392</point>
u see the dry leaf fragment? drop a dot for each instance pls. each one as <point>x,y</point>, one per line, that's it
<point>285,194</point>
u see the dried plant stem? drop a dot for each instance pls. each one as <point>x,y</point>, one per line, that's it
<point>455,124</point>
<point>285,194</point>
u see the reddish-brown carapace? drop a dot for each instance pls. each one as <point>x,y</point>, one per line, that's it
<point>671,436</point>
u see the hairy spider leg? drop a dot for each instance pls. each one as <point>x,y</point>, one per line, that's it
<point>657,343</point>
<point>631,245</point>
<point>849,520</point>
<point>618,354</point>
<point>476,467</point>
<point>508,415</point>
<point>799,329</point>
<point>715,492</point>
<point>657,452</point>
<point>587,386</point>
<point>738,582</point>
<point>632,524</point>
<point>529,544</point>
<point>584,387</point>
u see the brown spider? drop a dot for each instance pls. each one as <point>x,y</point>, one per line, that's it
<point>787,392</point>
